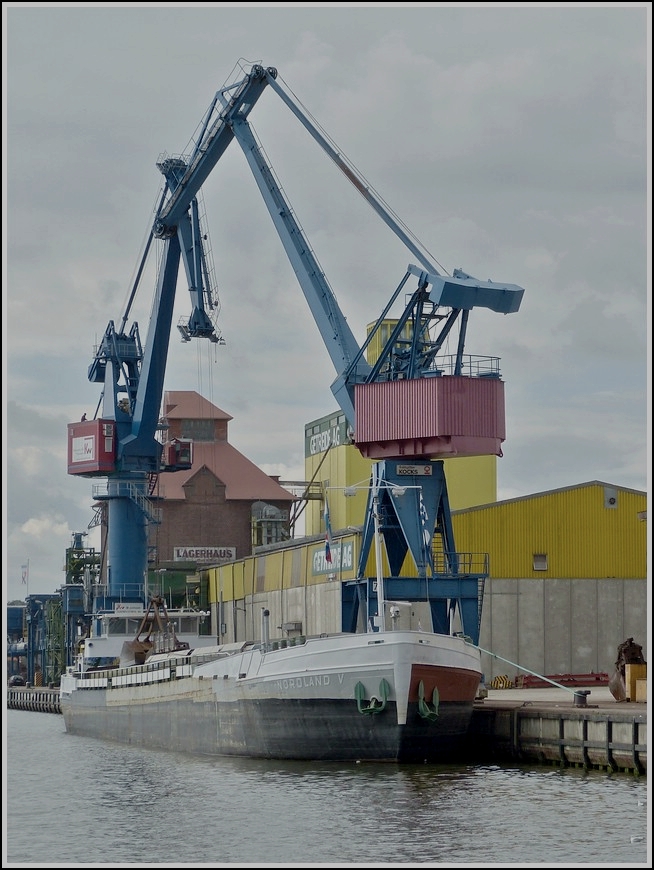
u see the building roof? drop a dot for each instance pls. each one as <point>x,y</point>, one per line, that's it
<point>242,478</point>
<point>534,495</point>
<point>189,405</point>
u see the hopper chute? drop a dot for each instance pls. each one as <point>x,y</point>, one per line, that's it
<point>156,634</point>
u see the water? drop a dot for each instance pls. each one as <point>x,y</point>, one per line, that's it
<point>73,801</point>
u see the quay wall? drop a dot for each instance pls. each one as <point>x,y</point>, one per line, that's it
<point>611,740</point>
<point>39,700</point>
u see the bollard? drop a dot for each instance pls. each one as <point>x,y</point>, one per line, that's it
<point>580,697</point>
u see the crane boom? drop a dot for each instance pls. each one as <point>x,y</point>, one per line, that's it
<point>237,100</point>
<point>339,340</point>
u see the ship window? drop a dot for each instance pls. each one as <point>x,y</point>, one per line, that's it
<point>540,561</point>
<point>189,625</point>
<point>116,625</point>
<point>120,625</point>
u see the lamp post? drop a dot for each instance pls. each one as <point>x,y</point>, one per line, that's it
<point>376,508</point>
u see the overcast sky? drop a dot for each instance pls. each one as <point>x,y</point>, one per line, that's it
<point>512,140</point>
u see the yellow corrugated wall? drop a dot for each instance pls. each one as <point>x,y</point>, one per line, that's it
<point>471,480</point>
<point>581,534</point>
<point>579,531</point>
<point>343,466</point>
<point>285,568</point>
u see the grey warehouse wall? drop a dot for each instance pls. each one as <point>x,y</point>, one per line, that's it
<point>560,626</point>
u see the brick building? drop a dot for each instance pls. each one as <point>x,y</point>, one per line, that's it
<point>224,505</point>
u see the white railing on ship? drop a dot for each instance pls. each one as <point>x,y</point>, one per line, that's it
<point>138,675</point>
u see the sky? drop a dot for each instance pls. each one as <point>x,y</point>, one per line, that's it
<point>513,140</point>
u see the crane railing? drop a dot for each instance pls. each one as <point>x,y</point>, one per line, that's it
<point>124,489</point>
<point>460,564</point>
<point>472,366</point>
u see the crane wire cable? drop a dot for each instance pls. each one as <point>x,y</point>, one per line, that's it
<point>361,176</point>
<point>141,262</point>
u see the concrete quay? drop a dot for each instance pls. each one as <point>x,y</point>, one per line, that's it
<point>576,727</point>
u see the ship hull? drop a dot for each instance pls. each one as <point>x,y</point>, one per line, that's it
<point>397,696</point>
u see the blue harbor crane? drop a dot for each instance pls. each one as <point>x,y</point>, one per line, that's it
<point>408,409</point>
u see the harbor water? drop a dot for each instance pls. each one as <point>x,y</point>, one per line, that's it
<point>71,801</point>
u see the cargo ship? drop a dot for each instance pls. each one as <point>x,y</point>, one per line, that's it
<point>403,696</point>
